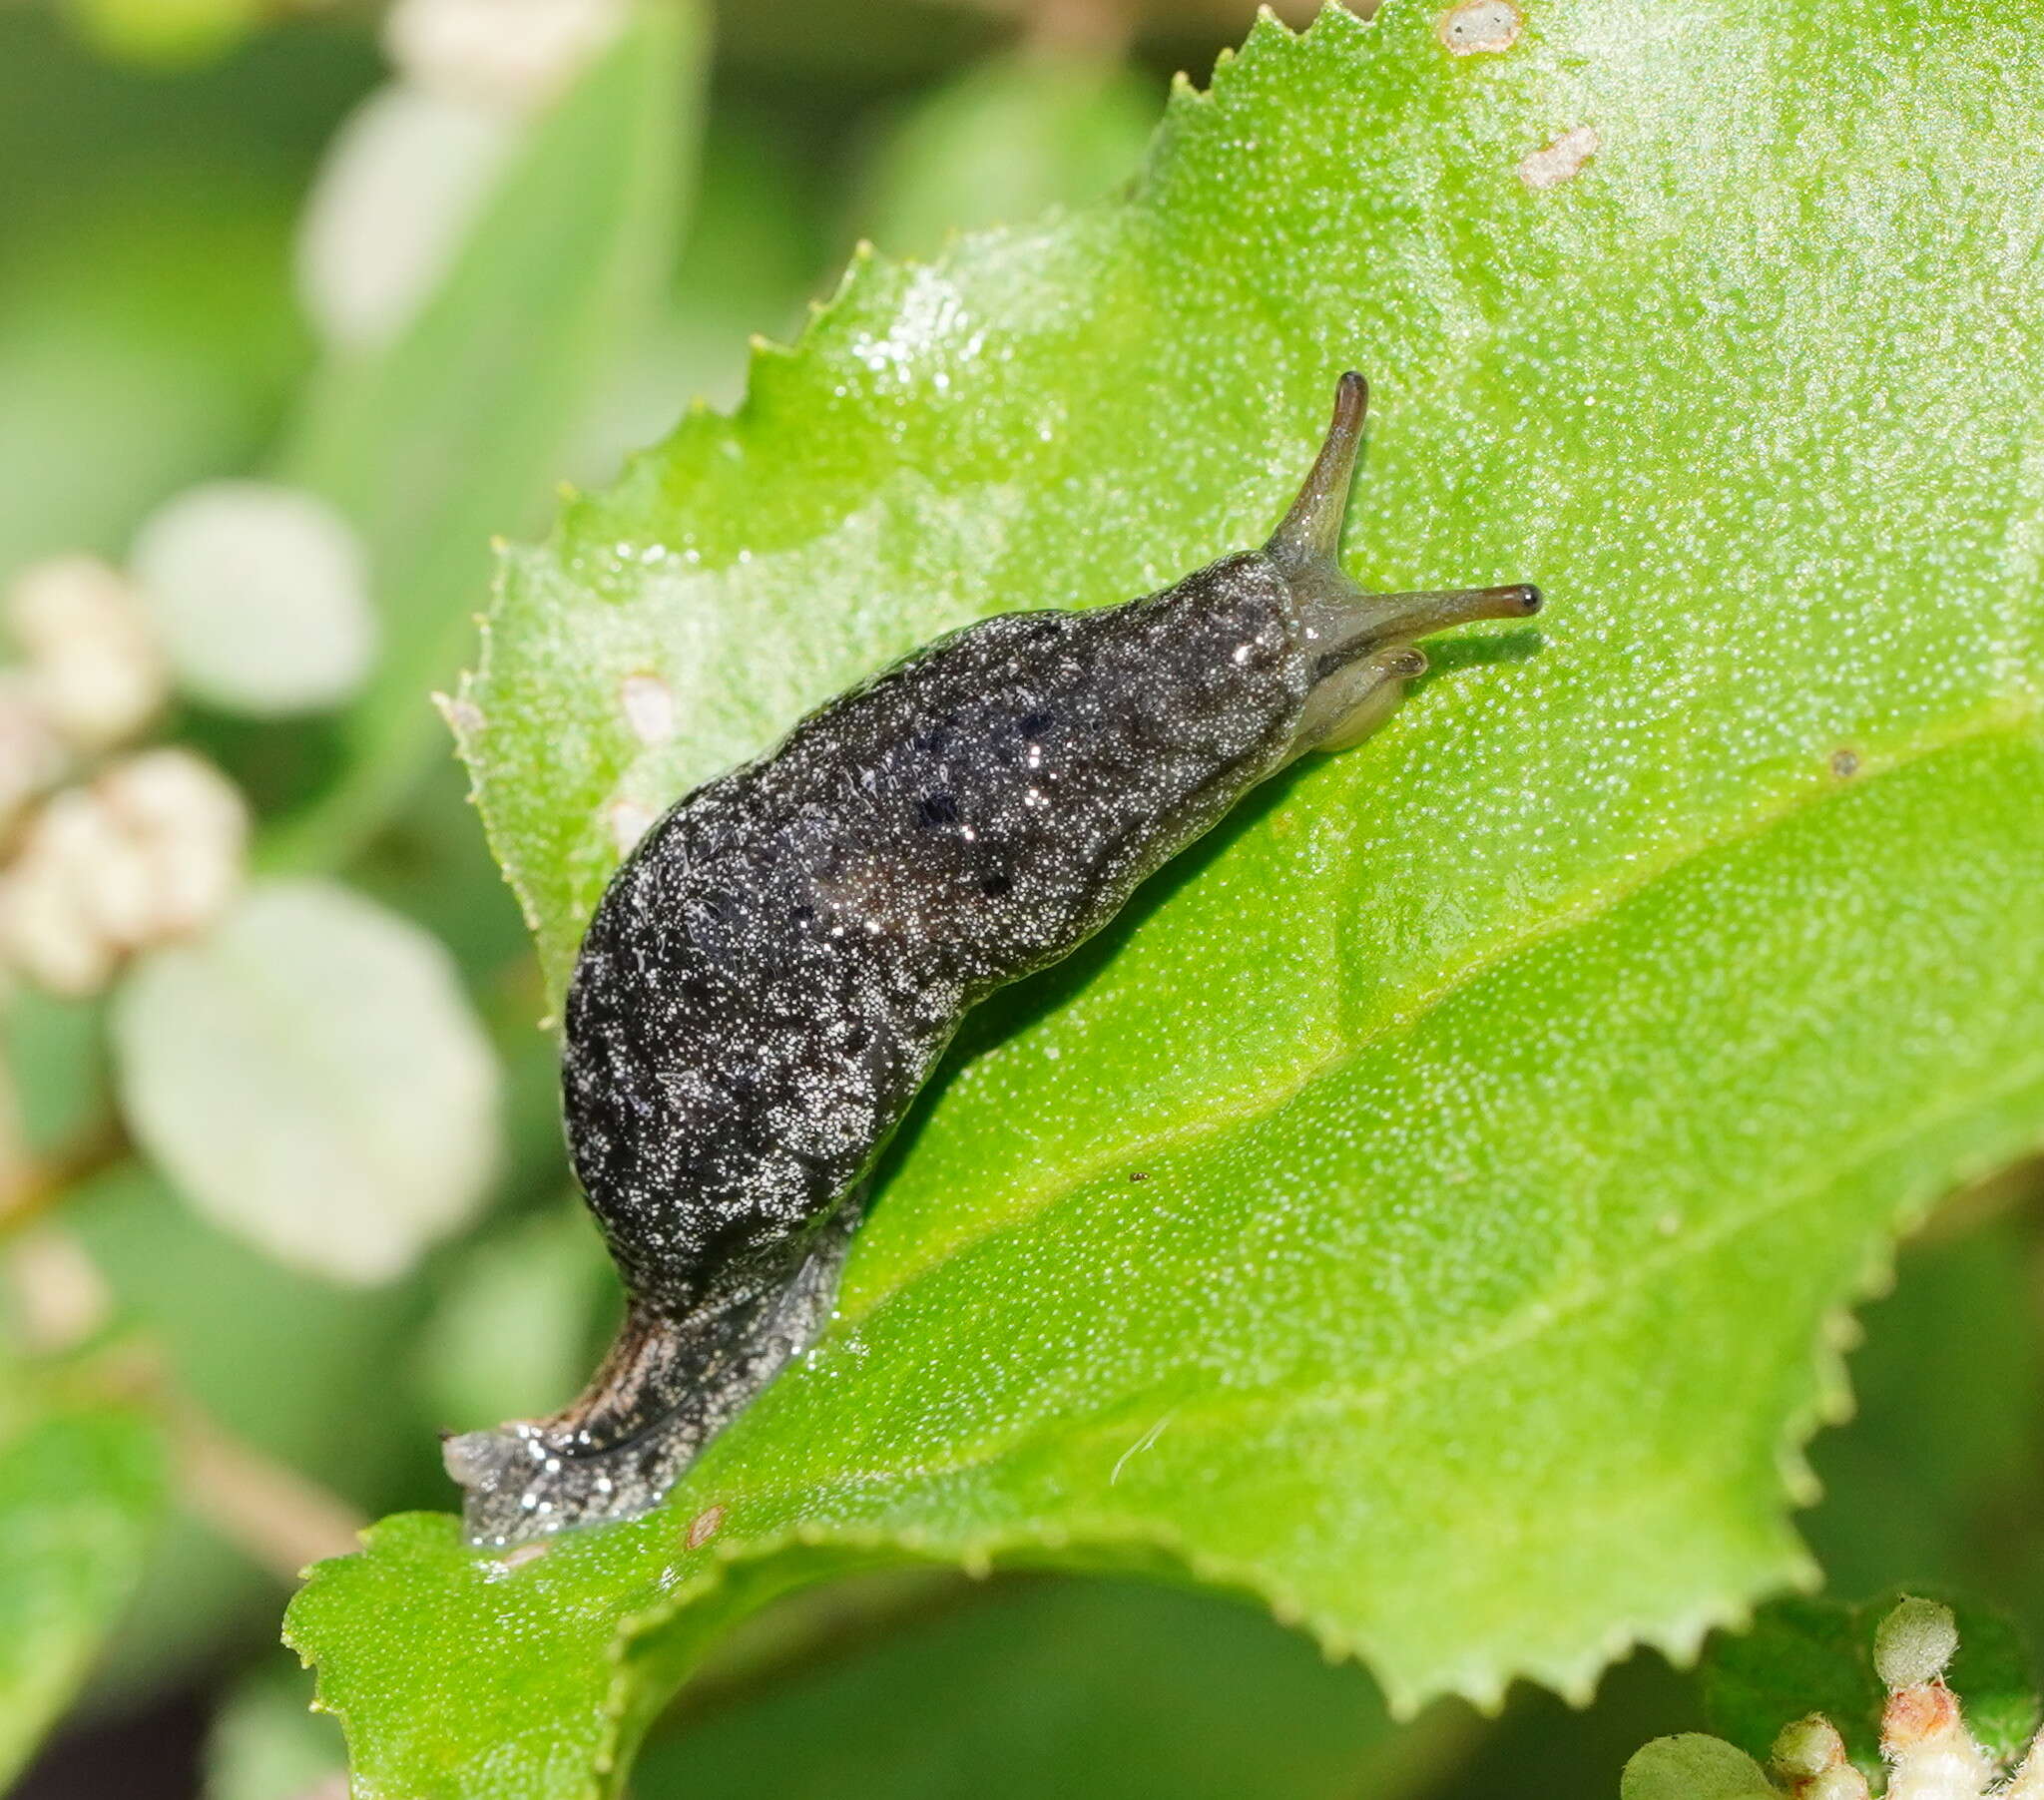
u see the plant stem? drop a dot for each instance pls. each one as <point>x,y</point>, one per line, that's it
<point>32,1188</point>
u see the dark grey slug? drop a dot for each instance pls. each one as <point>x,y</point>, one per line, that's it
<point>778,965</point>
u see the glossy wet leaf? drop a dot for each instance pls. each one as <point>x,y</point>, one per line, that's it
<point>1431,1208</point>
<point>81,1495</point>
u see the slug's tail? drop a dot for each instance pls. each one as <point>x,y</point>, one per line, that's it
<point>664,1391</point>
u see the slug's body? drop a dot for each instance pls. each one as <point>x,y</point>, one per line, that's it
<point>777,968</point>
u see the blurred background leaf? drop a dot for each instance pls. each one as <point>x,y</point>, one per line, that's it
<point>517,1325</point>
<point>146,338</point>
<point>1694,1766</point>
<point>1805,1655</point>
<point>1031,1686</point>
<point>171,33</point>
<point>265,1745</point>
<point>1010,140</point>
<point>450,434</point>
<point>81,1495</point>
<point>312,1077</point>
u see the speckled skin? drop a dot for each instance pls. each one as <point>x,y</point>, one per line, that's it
<point>777,967</point>
<point>774,971</point>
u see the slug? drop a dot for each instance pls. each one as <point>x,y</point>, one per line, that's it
<point>778,966</point>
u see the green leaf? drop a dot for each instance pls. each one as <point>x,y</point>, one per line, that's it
<point>1070,1688</point>
<point>1950,1429</point>
<point>1006,141</point>
<point>146,336</point>
<point>1431,1208</point>
<point>290,1364</point>
<point>1816,1655</point>
<point>266,1745</point>
<point>1694,1767</point>
<point>82,1489</point>
<point>1800,1656</point>
<point>454,431</point>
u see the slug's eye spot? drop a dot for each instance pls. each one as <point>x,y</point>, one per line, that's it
<point>939,809</point>
<point>994,886</point>
<point>1035,725</point>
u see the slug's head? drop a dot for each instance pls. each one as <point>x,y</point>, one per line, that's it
<point>1362,645</point>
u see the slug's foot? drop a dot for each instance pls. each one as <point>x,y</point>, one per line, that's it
<point>524,1479</point>
<point>664,1391</point>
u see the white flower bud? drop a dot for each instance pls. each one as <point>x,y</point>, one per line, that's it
<point>262,596</point>
<point>31,756</point>
<point>1914,1643</point>
<point>510,55</point>
<point>150,852</point>
<point>1810,1756</point>
<point>94,667</point>
<point>1808,1747</point>
<point>49,925</point>
<point>2027,1783</point>
<point>1932,1755</point>
<point>58,1296</point>
<point>192,824</point>
<point>107,871</point>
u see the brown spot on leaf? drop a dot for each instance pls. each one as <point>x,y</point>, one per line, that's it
<point>1844,764</point>
<point>1479,27</point>
<point>1560,161</point>
<point>704,1526</point>
<point>649,705</point>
